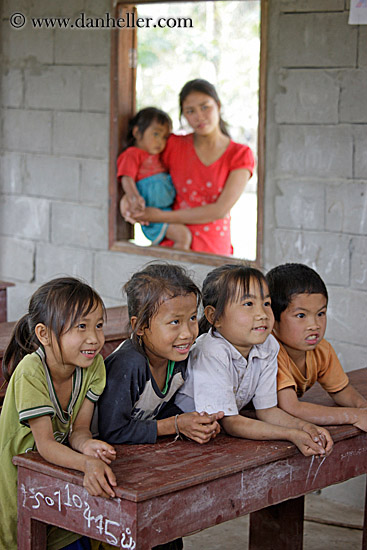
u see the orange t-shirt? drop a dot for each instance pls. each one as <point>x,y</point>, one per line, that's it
<point>322,365</point>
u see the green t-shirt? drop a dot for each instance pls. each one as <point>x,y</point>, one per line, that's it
<point>31,394</point>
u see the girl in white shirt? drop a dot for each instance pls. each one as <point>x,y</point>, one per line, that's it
<point>234,361</point>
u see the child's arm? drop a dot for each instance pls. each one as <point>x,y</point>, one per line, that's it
<point>81,438</point>
<point>326,416</point>
<point>349,397</point>
<point>275,415</point>
<point>98,477</point>
<point>200,427</point>
<point>135,202</point>
<point>240,426</point>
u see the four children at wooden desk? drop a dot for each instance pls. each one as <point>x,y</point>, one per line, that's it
<point>165,380</point>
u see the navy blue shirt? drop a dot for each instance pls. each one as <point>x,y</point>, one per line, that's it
<point>132,402</point>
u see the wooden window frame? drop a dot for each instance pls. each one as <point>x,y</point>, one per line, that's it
<point>122,107</point>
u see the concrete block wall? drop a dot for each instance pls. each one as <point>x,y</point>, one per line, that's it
<point>54,148</point>
<point>316,163</point>
<point>54,153</point>
<point>316,167</point>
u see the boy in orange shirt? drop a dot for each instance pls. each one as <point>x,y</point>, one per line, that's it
<point>299,301</point>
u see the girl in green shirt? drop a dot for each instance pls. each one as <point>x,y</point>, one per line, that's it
<point>55,376</point>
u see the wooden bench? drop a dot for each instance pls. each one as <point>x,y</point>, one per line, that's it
<point>173,489</point>
<point>3,300</point>
<point>115,329</point>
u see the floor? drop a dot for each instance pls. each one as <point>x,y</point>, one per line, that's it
<point>328,525</point>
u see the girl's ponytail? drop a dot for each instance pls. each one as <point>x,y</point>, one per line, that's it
<point>22,342</point>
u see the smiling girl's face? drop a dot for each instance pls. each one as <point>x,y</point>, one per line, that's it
<point>172,331</point>
<point>248,319</point>
<point>202,112</point>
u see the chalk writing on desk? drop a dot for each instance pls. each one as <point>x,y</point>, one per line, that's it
<point>64,498</point>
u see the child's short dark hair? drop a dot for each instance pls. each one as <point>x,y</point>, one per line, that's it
<point>148,288</point>
<point>287,280</point>
<point>226,284</point>
<point>143,119</point>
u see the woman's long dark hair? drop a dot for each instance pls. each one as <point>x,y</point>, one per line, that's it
<point>142,120</point>
<point>204,87</point>
<point>57,304</point>
<point>226,284</point>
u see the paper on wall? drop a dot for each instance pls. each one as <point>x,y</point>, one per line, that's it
<point>358,12</point>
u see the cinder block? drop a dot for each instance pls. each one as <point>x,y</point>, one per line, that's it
<point>314,39</point>
<point>82,46</point>
<point>352,357</point>
<point>27,130</point>
<point>113,269</point>
<point>300,204</point>
<point>95,89</point>
<point>358,274</point>
<point>311,5</point>
<point>347,314</point>
<point>94,182</point>
<point>16,259</point>
<point>346,208</point>
<point>360,157</point>
<point>11,172</point>
<point>57,261</point>
<point>25,217</point>
<point>18,299</point>
<point>362,50</point>
<point>307,96</point>
<point>353,98</point>
<point>328,253</point>
<point>44,8</point>
<point>51,177</point>
<point>26,46</point>
<point>53,88</point>
<point>84,134</point>
<point>12,88</point>
<point>320,151</point>
<point>79,226</point>
<point>97,8</point>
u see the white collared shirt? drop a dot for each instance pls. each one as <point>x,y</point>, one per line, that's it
<point>220,379</point>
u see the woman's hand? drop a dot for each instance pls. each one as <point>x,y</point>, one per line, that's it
<point>150,214</point>
<point>98,478</point>
<point>99,449</point>
<point>200,427</point>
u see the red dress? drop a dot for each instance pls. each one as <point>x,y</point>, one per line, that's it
<point>198,185</point>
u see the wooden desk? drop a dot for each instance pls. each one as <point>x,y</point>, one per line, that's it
<point>170,489</point>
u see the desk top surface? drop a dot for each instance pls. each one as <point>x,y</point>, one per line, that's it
<point>146,471</point>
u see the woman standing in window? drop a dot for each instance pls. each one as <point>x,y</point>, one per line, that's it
<point>209,172</point>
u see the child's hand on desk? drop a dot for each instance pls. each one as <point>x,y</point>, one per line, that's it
<point>200,427</point>
<point>99,449</point>
<point>98,478</point>
<point>361,421</point>
<point>320,435</point>
<point>305,443</point>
